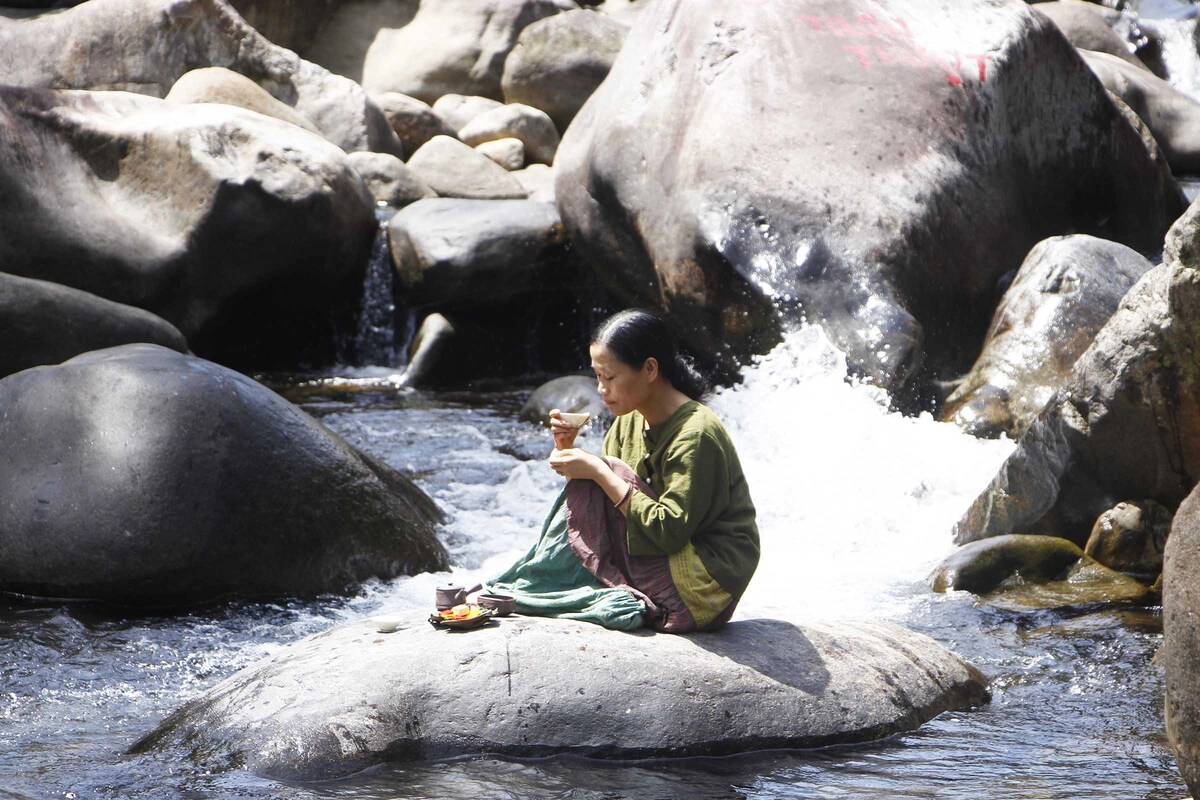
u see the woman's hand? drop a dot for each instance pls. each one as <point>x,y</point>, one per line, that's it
<point>564,434</point>
<point>573,463</point>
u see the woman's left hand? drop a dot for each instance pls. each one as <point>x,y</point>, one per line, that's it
<point>576,463</point>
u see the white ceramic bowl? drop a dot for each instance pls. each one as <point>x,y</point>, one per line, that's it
<point>575,419</point>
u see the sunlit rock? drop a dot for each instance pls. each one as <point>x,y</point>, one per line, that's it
<point>146,45</point>
<point>572,393</point>
<point>140,476</point>
<point>220,85</point>
<point>454,169</point>
<point>872,167</point>
<point>44,323</point>
<point>1089,26</point>
<point>452,47</point>
<point>349,698</point>
<point>559,61</point>
<point>1064,292</point>
<point>517,121</point>
<point>460,109</point>
<point>389,179</point>
<point>538,181</point>
<point>508,153</point>
<point>414,121</point>
<point>1172,116</point>
<point>1181,639</point>
<point>243,231</point>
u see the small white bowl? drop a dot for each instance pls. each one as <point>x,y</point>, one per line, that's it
<point>387,624</point>
<point>575,419</point>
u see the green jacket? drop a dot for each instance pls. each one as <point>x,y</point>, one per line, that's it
<point>703,498</point>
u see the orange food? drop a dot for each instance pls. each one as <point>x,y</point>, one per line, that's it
<point>461,612</point>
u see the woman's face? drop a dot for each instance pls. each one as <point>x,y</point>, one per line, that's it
<point>622,387</point>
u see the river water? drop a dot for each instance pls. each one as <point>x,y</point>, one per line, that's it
<point>856,504</point>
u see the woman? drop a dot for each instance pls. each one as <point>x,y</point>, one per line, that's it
<point>662,531</point>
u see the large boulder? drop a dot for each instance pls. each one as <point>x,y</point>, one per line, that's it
<point>452,47</point>
<point>559,61</point>
<point>140,476</point>
<point>241,230</point>
<point>1062,295</point>
<point>1172,116</point>
<point>1181,639</point>
<point>146,45</point>
<point>293,24</point>
<point>1126,424</point>
<point>1089,26</point>
<point>348,698</point>
<point>346,35</point>
<point>44,323</point>
<point>462,253</point>
<point>888,164</point>
<point>572,393</point>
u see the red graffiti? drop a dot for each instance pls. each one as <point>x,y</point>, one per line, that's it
<point>866,26</point>
<point>951,61</point>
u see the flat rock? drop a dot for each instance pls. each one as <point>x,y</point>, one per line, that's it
<point>348,698</point>
<point>145,46</point>
<point>559,61</point>
<point>452,47</point>
<point>1065,291</point>
<point>143,477</point>
<point>534,129</point>
<point>454,169</point>
<point>242,231</point>
<point>45,323</point>
<point>888,164</point>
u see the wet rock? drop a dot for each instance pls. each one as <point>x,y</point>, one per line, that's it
<point>559,61</point>
<point>140,476</point>
<point>1064,292</point>
<point>1181,639</point>
<point>571,393</point>
<point>1130,538</point>
<point>146,45</point>
<point>220,85</point>
<point>413,121</point>
<point>389,179</point>
<point>534,129</point>
<point>454,169</point>
<point>538,181</point>
<point>1030,571</point>
<point>452,47</point>
<point>45,323</point>
<point>1089,26</point>
<point>1126,424</point>
<point>241,230</point>
<point>458,109</point>
<point>508,153</point>
<point>464,253</point>
<point>873,217</point>
<point>1172,116</point>
<point>348,698</point>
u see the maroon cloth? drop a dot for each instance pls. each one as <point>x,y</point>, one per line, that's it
<point>597,533</point>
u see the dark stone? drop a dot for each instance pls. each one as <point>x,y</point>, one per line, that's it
<point>44,323</point>
<point>1130,538</point>
<point>142,477</point>
<point>1181,639</point>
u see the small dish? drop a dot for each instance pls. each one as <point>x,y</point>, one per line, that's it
<point>482,618</point>
<point>502,604</point>
<point>575,419</point>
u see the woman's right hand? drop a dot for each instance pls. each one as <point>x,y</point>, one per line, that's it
<point>564,434</point>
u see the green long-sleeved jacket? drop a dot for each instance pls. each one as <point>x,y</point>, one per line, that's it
<point>703,498</point>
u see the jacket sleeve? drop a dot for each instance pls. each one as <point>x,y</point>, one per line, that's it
<point>695,478</point>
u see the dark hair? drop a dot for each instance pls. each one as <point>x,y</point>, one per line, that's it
<point>635,335</point>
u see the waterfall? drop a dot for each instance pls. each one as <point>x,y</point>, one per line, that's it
<point>375,336</point>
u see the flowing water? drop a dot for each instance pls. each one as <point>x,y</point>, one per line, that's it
<point>855,502</point>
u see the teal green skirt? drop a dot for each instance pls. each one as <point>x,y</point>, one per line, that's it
<point>551,581</point>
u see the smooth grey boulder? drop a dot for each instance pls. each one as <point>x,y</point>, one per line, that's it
<point>145,46</point>
<point>452,47</point>
<point>1181,639</point>
<point>559,61</point>
<point>349,698</point>
<point>414,121</point>
<point>508,153</point>
<point>1089,26</point>
<point>243,231</point>
<point>389,179</point>
<point>453,169</point>
<point>1172,116</point>
<point>885,169</point>
<point>1126,424</point>
<point>571,393</point>
<point>462,253</point>
<point>220,85</point>
<point>1063,294</point>
<point>44,323</point>
<point>459,109</point>
<point>1130,538</point>
<point>143,477</point>
<point>534,129</point>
